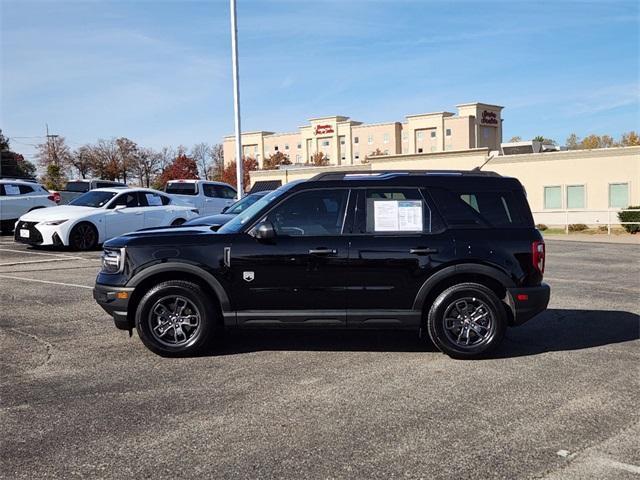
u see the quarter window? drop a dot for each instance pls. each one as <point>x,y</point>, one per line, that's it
<point>312,213</point>
<point>25,189</point>
<point>498,209</point>
<point>618,195</point>
<point>553,197</point>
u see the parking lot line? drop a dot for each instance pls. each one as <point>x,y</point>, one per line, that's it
<point>61,255</point>
<point>627,467</point>
<point>11,277</point>
<point>589,282</point>
<point>9,264</point>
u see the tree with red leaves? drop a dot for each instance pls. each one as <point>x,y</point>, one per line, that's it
<point>182,168</point>
<point>229,172</point>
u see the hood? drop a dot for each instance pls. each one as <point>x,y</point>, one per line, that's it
<point>170,236</point>
<point>219,219</point>
<point>62,212</point>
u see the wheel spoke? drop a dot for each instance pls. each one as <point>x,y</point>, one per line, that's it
<point>174,320</point>
<point>452,323</point>
<point>161,311</point>
<point>468,322</point>
<point>189,320</point>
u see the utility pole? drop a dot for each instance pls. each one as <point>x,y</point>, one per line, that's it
<point>49,138</point>
<point>236,98</point>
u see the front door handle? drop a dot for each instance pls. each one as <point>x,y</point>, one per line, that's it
<point>322,251</point>
<point>423,251</point>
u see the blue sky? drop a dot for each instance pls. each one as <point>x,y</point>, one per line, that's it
<point>159,72</point>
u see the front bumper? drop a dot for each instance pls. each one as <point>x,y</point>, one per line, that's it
<point>112,301</point>
<point>38,234</point>
<point>526,303</point>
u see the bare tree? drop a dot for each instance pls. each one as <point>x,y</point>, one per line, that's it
<point>127,152</point>
<point>147,165</point>
<point>106,159</point>
<point>216,166</point>
<point>167,155</point>
<point>82,160</point>
<point>200,153</point>
<point>54,150</point>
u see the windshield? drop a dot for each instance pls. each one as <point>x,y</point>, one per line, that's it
<point>93,198</point>
<point>238,222</point>
<point>77,187</point>
<point>241,205</point>
<point>180,188</point>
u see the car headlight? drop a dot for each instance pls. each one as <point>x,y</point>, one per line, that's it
<point>55,222</point>
<point>113,260</point>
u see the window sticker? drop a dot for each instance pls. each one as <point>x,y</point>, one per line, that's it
<point>153,200</point>
<point>397,215</point>
<point>11,189</point>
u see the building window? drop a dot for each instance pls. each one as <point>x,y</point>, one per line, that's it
<point>258,157</point>
<point>419,135</point>
<point>419,150</point>
<point>276,148</point>
<point>299,146</point>
<point>618,195</point>
<point>404,136</point>
<point>343,157</point>
<point>298,158</point>
<point>370,139</point>
<point>386,152</point>
<point>553,197</point>
<point>385,138</point>
<point>342,140</point>
<point>325,143</point>
<point>357,155</point>
<point>433,134</point>
<point>356,139</point>
<point>255,149</point>
<point>448,132</point>
<point>286,146</point>
<point>575,196</point>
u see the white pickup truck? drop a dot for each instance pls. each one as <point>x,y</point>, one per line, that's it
<point>207,196</point>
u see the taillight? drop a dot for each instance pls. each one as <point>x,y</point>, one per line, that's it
<point>54,197</point>
<point>537,256</point>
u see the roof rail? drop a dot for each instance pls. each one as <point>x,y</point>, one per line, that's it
<point>378,174</point>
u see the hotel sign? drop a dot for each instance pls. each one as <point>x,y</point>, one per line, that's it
<point>323,129</point>
<point>489,118</point>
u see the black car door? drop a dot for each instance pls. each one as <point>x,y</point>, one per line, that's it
<point>298,277</point>
<point>396,243</point>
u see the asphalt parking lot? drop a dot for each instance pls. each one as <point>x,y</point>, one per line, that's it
<point>559,400</point>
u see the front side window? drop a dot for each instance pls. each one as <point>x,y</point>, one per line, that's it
<point>618,195</point>
<point>575,196</point>
<point>553,197</point>
<point>129,200</point>
<point>312,213</point>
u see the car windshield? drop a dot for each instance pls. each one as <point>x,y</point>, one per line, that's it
<point>241,205</point>
<point>238,222</point>
<point>93,198</point>
<point>180,188</point>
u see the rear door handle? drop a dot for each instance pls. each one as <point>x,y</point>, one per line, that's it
<point>323,251</point>
<point>423,251</point>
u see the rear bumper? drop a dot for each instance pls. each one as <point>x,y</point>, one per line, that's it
<point>526,303</point>
<point>107,297</point>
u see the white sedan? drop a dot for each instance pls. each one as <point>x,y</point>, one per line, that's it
<point>99,215</point>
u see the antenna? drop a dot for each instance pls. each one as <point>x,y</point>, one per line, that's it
<point>477,169</point>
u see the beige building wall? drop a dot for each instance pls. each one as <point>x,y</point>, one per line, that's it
<point>596,170</point>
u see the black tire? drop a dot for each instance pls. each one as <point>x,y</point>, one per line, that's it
<point>83,236</point>
<point>156,329</point>
<point>451,325</point>
<point>177,222</point>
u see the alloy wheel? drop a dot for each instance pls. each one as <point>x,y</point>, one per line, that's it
<point>468,322</point>
<point>174,320</point>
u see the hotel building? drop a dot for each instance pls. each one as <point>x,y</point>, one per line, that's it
<point>348,142</point>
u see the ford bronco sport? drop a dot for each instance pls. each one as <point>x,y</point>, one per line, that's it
<point>454,254</point>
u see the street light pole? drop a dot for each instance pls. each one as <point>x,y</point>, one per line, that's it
<point>236,97</point>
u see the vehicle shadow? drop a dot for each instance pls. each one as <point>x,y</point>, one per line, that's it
<point>553,330</point>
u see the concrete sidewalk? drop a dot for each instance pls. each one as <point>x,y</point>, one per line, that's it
<point>597,237</point>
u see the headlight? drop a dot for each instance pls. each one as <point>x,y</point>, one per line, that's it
<point>54,222</point>
<point>113,260</point>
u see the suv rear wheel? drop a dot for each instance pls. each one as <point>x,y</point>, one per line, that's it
<point>466,321</point>
<point>173,319</point>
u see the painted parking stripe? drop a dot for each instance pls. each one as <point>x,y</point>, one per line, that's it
<point>10,264</point>
<point>11,277</point>
<point>61,255</point>
<point>627,467</point>
<point>588,282</point>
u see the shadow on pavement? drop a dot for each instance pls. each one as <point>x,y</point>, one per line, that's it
<point>554,330</point>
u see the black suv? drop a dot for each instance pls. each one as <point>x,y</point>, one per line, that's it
<point>452,253</point>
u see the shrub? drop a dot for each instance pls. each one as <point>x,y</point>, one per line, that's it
<point>577,227</point>
<point>631,217</point>
<point>542,227</point>
<point>603,228</point>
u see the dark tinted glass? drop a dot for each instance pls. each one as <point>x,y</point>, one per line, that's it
<point>497,209</point>
<point>209,190</point>
<point>24,189</point>
<point>77,187</point>
<point>129,200</point>
<point>225,192</point>
<point>318,212</point>
<point>178,188</point>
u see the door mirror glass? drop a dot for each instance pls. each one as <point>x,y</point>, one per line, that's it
<point>224,209</point>
<point>265,231</point>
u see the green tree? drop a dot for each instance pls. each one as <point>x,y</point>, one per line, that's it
<point>54,179</point>
<point>630,139</point>
<point>515,139</point>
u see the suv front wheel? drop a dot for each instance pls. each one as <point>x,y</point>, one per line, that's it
<point>466,321</point>
<point>173,319</point>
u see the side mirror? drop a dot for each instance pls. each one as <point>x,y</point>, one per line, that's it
<point>265,231</point>
<point>224,209</point>
<point>119,207</point>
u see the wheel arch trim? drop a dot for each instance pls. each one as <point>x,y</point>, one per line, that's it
<point>462,268</point>
<point>167,267</point>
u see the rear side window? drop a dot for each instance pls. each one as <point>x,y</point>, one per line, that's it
<point>25,189</point>
<point>178,188</point>
<point>479,208</point>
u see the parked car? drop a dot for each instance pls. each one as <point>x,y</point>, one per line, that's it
<point>208,197</point>
<point>75,188</point>
<point>216,221</point>
<point>452,254</point>
<point>18,197</point>
<point>99,215</point>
